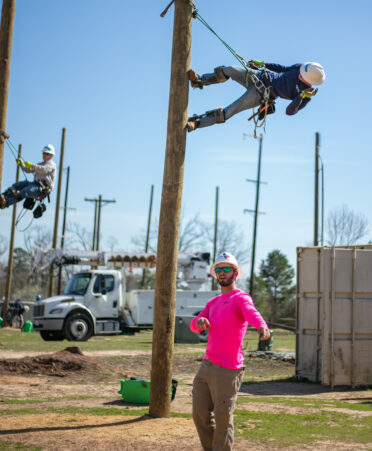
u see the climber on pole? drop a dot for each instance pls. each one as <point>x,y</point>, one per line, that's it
<point>264,82</point>
<point>44,175</point>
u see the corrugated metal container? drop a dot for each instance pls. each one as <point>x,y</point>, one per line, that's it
<point>334,315</point>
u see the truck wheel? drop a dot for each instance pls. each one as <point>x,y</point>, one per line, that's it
<point>78,327</point>
<point>51,335</point>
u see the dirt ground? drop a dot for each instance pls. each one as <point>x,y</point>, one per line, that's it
<point>69,379</point>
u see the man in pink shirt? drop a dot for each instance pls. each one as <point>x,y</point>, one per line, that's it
<point>220,375</point>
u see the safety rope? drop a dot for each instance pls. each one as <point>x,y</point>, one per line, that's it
<point>13,150</point>
<point>258,84</point>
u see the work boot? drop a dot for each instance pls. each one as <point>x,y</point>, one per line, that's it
<point>193,123</point>
<point>195,79</point>
<point>2,201</point>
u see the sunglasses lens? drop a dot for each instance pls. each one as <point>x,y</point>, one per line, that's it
<point>224,269</point>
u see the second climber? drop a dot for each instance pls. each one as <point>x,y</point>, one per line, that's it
<point>44,176</point>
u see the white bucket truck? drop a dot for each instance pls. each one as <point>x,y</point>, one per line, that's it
<point>96,302</point>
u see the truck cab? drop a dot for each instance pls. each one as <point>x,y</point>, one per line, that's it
<point>90,304</point>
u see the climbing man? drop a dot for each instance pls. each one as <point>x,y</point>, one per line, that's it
<point>44,175</point>
<point>264,82</point>
<point>220,375</point>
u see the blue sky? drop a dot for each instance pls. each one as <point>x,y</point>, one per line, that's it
<point>102,71</point>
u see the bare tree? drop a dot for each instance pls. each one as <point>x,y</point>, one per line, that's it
<point>3,245</point>
<point>230,238</point>
<point>38,237</point>
<point>346,227</point>
<point>80,237</point>
<point>190,235</point>
<point>111,243</point>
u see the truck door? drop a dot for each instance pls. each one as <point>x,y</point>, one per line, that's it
<point>103,301</point>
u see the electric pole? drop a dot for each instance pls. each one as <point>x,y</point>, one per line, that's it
<point>214,283</point>
<point>256,213</point>
<point>316,188</point>
<point>63,228</point>
<point>167,253</point>
<point>11,250</point>
<point>56,216</point>
<point>97,218</point>
<point>148,233</point>
<point>6,38</point>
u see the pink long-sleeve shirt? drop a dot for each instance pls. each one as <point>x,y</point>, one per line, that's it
<point>229,315</point>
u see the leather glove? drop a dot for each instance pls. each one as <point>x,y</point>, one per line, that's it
<point>28,164</point>
<point>307,93</point>
<point>20,162</point>
<point>256,63</point>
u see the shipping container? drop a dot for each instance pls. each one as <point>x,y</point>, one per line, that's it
<point>334,315</point>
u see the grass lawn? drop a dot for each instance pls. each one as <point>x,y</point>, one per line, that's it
<point>15,340</point>
<point>321,418</point>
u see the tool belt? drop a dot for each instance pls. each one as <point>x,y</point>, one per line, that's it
<point>46,189</point>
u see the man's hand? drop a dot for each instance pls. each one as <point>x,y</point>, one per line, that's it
<point>28,164</point>
<point>256,63</point>
<point>310,92</point>
<point>20,162</point>
<point>203,323</point>
<point>264,333</point>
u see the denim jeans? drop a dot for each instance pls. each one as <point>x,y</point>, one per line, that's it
<point>25,189</point>
<point>250,99</point>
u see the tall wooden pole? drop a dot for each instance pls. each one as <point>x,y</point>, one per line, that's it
<point>56,216</point>
<point>316,190</point>
<point>11,250</point>
<point>63,228</point>
<point>98,221</point>
<point>6,38</point>
<point>258,182</point>
<point>214,283</point>
<point>148,234</point>
<point>166,269</point>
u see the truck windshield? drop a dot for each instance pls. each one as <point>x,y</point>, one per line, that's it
<point>78,284</point>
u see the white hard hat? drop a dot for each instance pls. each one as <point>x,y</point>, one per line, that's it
<point>313,73</point>
<point>226,259</point>
<point>27,308</point>
<point>49,148</point>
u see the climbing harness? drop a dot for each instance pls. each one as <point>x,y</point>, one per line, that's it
<point>262,86</point>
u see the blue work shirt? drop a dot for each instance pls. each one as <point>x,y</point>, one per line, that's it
<point>287,85</point>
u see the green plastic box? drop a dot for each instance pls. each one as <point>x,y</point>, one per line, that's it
<point>138,390</point>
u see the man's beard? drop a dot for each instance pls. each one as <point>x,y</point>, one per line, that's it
<point>227,280</point>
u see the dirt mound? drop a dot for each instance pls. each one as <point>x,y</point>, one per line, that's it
<point>61,363</point>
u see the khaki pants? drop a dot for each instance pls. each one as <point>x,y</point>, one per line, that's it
<point>213,401</point>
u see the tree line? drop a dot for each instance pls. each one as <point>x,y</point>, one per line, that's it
<point>274,287</point>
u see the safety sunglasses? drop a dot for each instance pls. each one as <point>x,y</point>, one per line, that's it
<point>223,268</point>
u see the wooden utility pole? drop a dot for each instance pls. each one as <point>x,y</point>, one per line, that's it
<point>63,228</point>
<point>215,239</point>
<point>97,218</point>
<point>316,190</point>
<point>251,280</point>
<point>148,233</point>
<point>6,38</point>
<point>56,217</point>
<point>11,250</point>
<point>166,267</point>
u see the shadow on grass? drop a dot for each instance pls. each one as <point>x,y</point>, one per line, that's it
<point>72,428</point>
<point>293,387</point>
<point>122,403</point>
